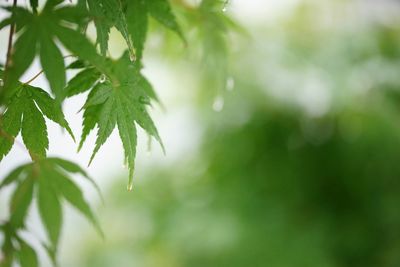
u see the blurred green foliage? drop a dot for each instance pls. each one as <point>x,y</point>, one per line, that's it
<point>277,182</point>
<point>276,191</point>
<point>272,184</point>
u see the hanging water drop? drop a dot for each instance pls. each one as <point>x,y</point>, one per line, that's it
<point>129,187</point>
<point>225,6</point>
<point>132,57</point>
<point>218,104</point>
<point>230,84</point>
<point>103,78</point>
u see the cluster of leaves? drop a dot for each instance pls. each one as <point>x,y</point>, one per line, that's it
<point>47,179</point>
<point>118,96</point>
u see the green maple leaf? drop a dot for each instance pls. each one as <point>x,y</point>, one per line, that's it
<point>26,255</point>
<point>34,4</point>
<point>83,81</point>
<point>25,112</point>
<point>120,101</point>
<point>21,201</point>
<point>107,14</point>
<point>130,18</point>
<point>136,16</point>
<point>38,34</point>
<point>102,24</point>
<point>50,179</point>
<point>49,206</point>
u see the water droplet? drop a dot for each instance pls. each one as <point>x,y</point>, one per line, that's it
<point>218,104</point>
<point>103,78</point>
<point>230,84</point>
<point>1,83</point>
<point>130,186</point>
<point>225,6</point>
<point>132,57</point>
<point>144,100</point>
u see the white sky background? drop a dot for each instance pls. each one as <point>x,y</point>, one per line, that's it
<point>177,125</point>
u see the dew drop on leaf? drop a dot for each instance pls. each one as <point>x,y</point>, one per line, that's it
<point>218,104</point>
<point>230,84</point>
<point>132,57</point>
<point>103,78</point>
<point>144,100</point>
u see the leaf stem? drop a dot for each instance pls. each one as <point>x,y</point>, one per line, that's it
<point>33,78</point>
<point>40,72</point>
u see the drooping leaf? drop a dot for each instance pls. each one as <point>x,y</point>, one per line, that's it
<point>27,255</point>
<point>49,107</point>
<point>5,22</point>
<point>25,105</point>
<point>100,93</point>
<point>91,117</point>
<point>77,64</point>
<point>108,14</point>
<point>136,16</point>
<point>146,86</point>
<point>20,202</point>
<point>106,124</point>
<point>10,125</point>
<point>82,82</point>
<point>120,101</point>
<point>127,132</point>
<point>101,23</point>
<point>34,130</point>
<point>40,30</point>
<point>21,59</point>
<point>74,196</point>
<point>53,63</point>
<point>161,11</point>
<point>71,167</point>
<point>12,176</point>
<point>80,46</point>
<point>49,208</point>
<point>34,5</point>
<point>20,16</point>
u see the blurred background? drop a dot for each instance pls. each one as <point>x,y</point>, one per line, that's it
<point>283,152</point>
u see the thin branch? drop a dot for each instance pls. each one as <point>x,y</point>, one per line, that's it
<point>10,40</point>
<point>9,52</point>
<point>34,77</point>
<point>39,73</point>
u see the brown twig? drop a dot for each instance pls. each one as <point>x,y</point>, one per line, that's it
<point>33,78</point>
<point>9,52</point>
<point>10,40</point>
<point>40,72</point>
